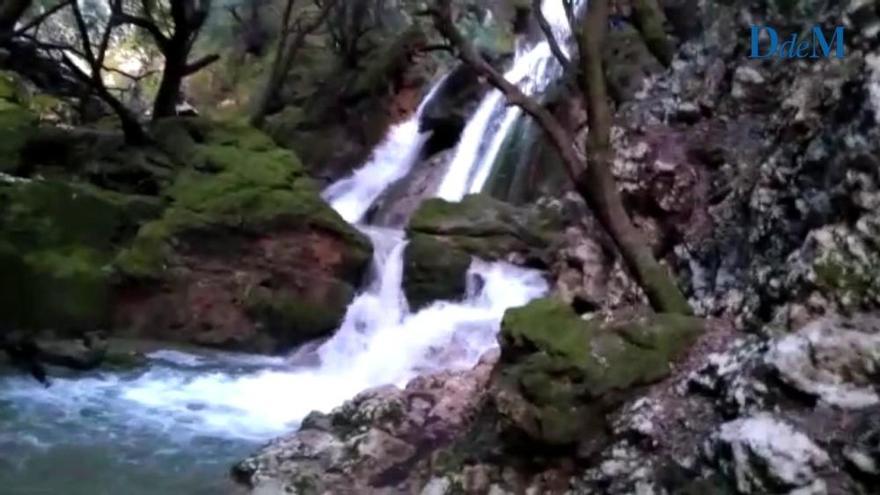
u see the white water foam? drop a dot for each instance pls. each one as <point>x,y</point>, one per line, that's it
<point>380,343</point>
<point>390,161</point>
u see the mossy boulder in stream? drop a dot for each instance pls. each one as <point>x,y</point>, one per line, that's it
<point>560,373</point>
<point>446,235</point>
<point>247,254</point>
<point>433,271</point>
<point>488,228</point>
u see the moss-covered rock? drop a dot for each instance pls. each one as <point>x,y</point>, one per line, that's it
<point>292,319</point>
<point>559,373</point>
<point>17,122</point>
<point>246,251</point>
<point>488,228</point>
<point>239,180</point>
<point>445,235</point>
<point>58,240</point>
<point>433,271</point>
<point>629,62</point>
<point>17,125</point>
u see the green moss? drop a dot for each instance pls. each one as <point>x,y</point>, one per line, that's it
<point>475,214</point>
<point>12,88</point>
<point>486,227</point>
<point>233,133</point>
<point>238,180</point>
<point>62,289</point>
<point>17,126</point>
<point>564,366</point>
<point>433,271</point>
<point>549,325</point>
<point>849,279</point>
<point>291,320</point>
<point>147,256</point>
<point>41,214</point>
<point>57,243</point>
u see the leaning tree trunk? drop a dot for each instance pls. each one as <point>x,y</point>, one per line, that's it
<point>597,184</point>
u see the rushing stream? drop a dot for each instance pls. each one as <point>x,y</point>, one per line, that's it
<point>177,426</point>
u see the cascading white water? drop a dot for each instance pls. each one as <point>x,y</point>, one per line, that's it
<point>389,162</point>
<point>534,68</point>
<point>380,341</point>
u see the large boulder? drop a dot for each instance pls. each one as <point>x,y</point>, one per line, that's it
<point>764,454</point>
<point>488,228</point>
<point>833,359</point>
<point>433,272</point>
<point>373,443</point>
<point>444,235</point>
<point>246,255</point>
<point>56,249</point>
<point>559,373</point>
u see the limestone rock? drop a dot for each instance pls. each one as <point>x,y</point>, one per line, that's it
<point>834,359</point>
<point>372,443</point>
<point>766,455</point>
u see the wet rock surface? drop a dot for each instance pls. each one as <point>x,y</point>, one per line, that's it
<point>373,443</point>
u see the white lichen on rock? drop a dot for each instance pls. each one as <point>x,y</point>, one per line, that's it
<point>832,359</point>
<point>765,455</point>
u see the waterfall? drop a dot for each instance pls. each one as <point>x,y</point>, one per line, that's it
<point>534,68</point>
<point>389,162</point>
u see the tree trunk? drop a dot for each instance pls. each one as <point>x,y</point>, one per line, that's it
<point>284,57</point>
<point>597,184</point>
<point>271,88</point>
<point>173,74</point>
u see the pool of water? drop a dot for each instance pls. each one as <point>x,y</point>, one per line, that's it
<point>170,428</point>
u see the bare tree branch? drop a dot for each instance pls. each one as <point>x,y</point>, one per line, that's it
<point>146,24</point>
<point>286,53</point>
<point>562,140</point>
<point>557,50</point>
<point>36,21</point>
<point>201,63</point>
